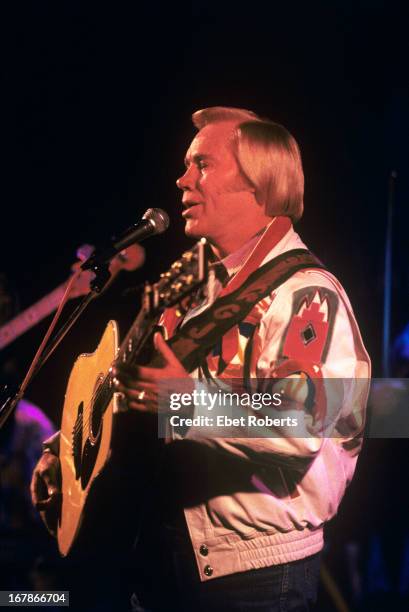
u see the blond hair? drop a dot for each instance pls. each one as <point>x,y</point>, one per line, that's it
<point>268,156</point>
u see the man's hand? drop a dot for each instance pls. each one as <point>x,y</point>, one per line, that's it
<point>141,386</point>
<point>46,490</point>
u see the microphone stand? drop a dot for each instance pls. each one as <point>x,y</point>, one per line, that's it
<point>154,221</point>
<point>12,397</point>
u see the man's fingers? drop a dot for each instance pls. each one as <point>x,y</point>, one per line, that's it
<point>46,478</point>
<point>38,489</point>
<point>165,351</point>
<point>140,395</point>
<point>125,369</point>
<point>136,375</point>
<point>142,407</point>
<point>45,489</point>
<point>51,503</point>
<point>123,385</point>
<point>42,489</point>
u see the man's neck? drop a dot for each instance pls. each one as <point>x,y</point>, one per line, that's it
<point>229,244</point>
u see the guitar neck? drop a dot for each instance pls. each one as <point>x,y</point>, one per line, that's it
<point>30,317</point>
<point>136,338</point>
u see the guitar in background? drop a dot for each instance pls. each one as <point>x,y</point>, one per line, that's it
<point>130,259</point>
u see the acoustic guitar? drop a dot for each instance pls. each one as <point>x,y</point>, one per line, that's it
<point>101,442</point>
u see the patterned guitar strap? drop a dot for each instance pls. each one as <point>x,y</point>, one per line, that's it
<point>196,338</point>
<point>193,341</point>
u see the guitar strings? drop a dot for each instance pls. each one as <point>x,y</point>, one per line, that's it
<point>104,390</point>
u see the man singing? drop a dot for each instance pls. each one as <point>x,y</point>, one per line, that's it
<point>243,516</point>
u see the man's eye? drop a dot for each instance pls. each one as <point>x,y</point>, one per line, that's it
<point>202,165</point>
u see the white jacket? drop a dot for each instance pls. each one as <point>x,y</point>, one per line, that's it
<point>265,500</point>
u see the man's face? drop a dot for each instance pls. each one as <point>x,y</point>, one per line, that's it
<point>215,193</point>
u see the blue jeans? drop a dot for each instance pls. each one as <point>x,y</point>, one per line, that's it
<point>290,587</point>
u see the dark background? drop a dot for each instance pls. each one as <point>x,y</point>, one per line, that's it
<point>96,100</point>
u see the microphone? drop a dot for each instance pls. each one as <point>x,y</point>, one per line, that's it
<point>154,221</point>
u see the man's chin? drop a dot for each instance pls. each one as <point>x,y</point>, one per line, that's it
<point>192,229</point>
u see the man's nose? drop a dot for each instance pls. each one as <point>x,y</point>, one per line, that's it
<point>186,181</point>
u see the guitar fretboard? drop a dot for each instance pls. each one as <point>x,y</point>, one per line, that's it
<point>27,319</point>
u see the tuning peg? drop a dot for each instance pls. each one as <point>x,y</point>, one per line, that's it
<point>165,296</point>
<point>177,286</point>
<point>187,279</point>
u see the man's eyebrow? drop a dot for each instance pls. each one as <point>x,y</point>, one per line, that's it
<point>197,158</point>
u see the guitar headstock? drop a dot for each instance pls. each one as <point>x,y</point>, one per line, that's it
<point>182,279</point>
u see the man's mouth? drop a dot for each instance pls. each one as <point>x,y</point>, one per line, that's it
<point>187,207</point>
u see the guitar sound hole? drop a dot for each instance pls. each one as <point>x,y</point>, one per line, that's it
<point>96,421</point>
<point>93,442</point>
<point>97,412</point>
<point>77,441</point>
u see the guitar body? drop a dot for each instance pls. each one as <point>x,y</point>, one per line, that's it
<point>85,441</point>
<point>109,455</point>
